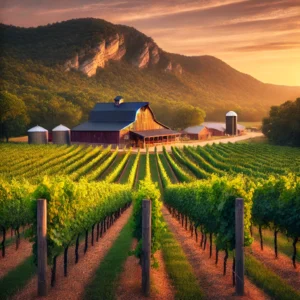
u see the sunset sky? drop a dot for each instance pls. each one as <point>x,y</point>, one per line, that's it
<point>258,37</point>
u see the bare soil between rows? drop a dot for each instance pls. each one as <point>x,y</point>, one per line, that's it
<point>80,274</point>
<point>209,275</point>
<point>131,280</point>
<point>282,266</point>
<point>14,257</point>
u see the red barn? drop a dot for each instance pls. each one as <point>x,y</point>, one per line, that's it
<point>215,128</point>
<point>197,132</point>
<point>119,123</point>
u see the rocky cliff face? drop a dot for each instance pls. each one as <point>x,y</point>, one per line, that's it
<point>148,55</point>
<point>114,48</point>
<point>173,67</point>
<point>87,62</point>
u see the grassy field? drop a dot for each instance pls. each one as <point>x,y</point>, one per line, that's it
<point>256,140</point>
<point>251,124</point>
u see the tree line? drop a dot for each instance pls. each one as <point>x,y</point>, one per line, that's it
<point>282,126</point>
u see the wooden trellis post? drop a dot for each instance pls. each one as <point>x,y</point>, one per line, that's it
<point>239,247</point>
<point>146,246</point>
<point>42,246</point>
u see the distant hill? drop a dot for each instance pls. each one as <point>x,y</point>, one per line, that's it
<point>61,70</point>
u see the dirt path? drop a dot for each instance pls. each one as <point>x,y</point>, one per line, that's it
<point>282,266</point>
<point>72,287</point>
<point>13,258</point>
<point>130,280</point>
<point>210,277</point>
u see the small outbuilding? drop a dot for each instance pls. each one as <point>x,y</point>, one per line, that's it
<point>61,135</point>
<point>219,129</point>
<point>197,132</point>
<point>241,129</point>
<point>37,135</point>
<point>215,128</point>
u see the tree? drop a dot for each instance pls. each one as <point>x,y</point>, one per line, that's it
<point>13,115</point>
<point>178,115</point>
<point>187,115</point>
<point>283,124</point>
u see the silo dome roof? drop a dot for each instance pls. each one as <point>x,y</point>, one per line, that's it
<point>61,128</point>
<point>37,129</point>
<point>231,114</point>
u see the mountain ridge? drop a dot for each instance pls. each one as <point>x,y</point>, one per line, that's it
<point>118,59</point>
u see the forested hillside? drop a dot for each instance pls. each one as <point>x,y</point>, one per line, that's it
<point>61,70</point>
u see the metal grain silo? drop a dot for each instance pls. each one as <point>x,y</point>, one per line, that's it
<point>61,135</point>
<point>231,123</point>
<point>37,135</point>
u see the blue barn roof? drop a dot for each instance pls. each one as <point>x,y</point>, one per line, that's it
<point>109,112</point>
<point>111,117</point>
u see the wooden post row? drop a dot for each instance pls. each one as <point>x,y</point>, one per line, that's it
<point>42,246</point>
<point>146,246</point>
<point>239,247</point>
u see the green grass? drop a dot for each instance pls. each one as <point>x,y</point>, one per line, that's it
<point>142,168</point>
<point>17,278</point>
<point>284,244</point>
<point>105,282</point>
<point>251,124</point>
<point>179,269</point>
<point>267,280</point>
<point>153,168</point>
<point>128,167</point>
<point>255,140</point>
<point>111,167</point>
<point>183,166</point>
<point>167,168</point>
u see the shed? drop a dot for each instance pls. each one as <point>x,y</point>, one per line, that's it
<point>37,135</point>
<point>215,128</point>
<point>61,135</point>
<point>241,129</point>
<point>197,132</point>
